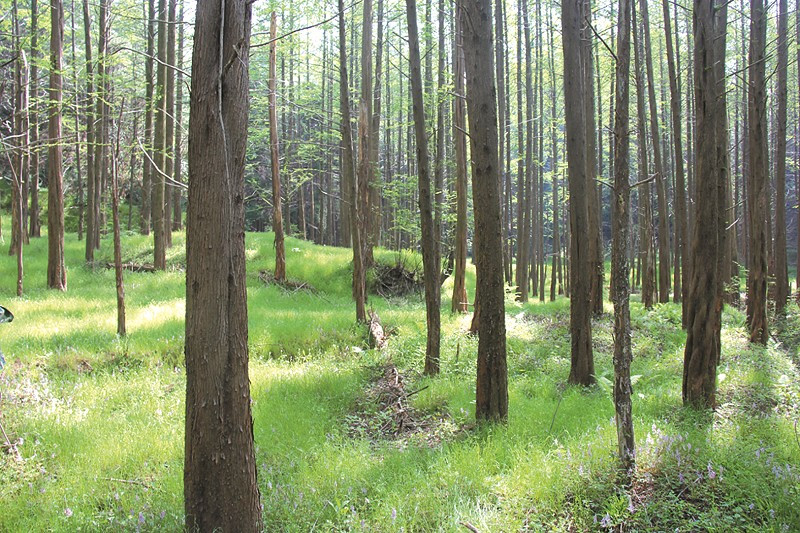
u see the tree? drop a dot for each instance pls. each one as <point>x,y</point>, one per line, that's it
<point>704,305</point>
<point>781,268</point>
<point>159,142</point>
<point>220,489</point>
<point>492,380</point>
<point>147,170</point>
<point>582,364</point>
<point>277,213</point>
<point>460,301</point>
<point>429,240</point>
<point>121,328</point>
<point>34,226</point>
<point>56,273</point>
<point>620,220</point>
<point>365,169</point>
<point>349,175</point>
<point>91,183</point>
<point>757,176</point>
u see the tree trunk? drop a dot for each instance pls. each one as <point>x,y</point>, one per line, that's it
<point>34,226</point>
<point>56,273</point>
<point>582,363</point>
<point>365,170</point>
<point>460,298</point>
<point>703,306</point>
<point>147,170</point>
<point>757,183</point>
<point>277,213</point>
<point>781,269</point>
<point>159,144</point>
<point>492,375</point>
<point>349,175</point>
<point>121,329</point>
<point>619,246</point>
<point>177,222</point>
<point>429,240</point>
<point>220,489</point>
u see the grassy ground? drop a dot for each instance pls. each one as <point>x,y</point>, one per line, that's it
<point>99,420</point>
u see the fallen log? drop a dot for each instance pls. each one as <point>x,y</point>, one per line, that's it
<point>377,335</point>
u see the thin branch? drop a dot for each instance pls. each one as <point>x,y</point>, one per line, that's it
<point>309,27</point>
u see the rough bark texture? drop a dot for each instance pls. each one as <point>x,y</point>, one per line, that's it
<point>159,142</point>
<point>91,220</point>
<point>34,226</point>
<point>147,170</point>
<point>220,489</point>
<point>56,273</point>
<point>460,298</point>
<point>621,241</point>
<point>781,268</point>
<point>277,212</point>
<point>429,240</point>
<point>492,380</point>
<point>365,170</point>
<point>120,285</point>
<point>757,177</point>
<point>703,310</point>
<point>582,363</point>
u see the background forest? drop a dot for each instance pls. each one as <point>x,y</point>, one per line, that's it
<point>610,233</point>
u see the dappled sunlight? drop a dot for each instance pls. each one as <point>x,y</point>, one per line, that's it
<point>156,314</point>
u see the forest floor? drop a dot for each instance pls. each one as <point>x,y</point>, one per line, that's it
<point>352,439</point>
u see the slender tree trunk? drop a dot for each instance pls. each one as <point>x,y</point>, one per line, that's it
<point>582,364</point>
<point>365,169</point>
<point>34,226</point>
<point>492,375</point>
<point>277,213</point>
<point>429,240</point>
<point>101,117</point>
<point>781,269</point>
<point>159,142</point>
<point>220,488</point>
<point>460,299</point>
<point>91,220</point>
<point>177,222</point>
<point>620,243</point>
<point>757,182</point>
<point>147,162</point>
<point>703,306</point>
<point>78,174</point>
<point>375,189</point>
<point>56,273</point>
<point>348,171</point>
<point>121,329</point>
<point>169,123</point>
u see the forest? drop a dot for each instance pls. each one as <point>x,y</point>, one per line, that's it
<point>475,265</point>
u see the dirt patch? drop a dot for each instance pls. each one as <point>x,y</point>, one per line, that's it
<point>288,285</point>
<point>385,414</point>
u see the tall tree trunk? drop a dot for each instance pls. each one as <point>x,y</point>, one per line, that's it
<point>277,213</point>
<point>77,110</point>
<point>460,299</point>
<point>34,226</point>
<point>524,179</point>
<point>220,488</point>
<point>681,285</point>
<point>177,221</point>
<point>429,240</point>
<point>365,169</point>
<point>375,189</point>
<point>91,220</point>
<point>56,273</point>
<point>781,269</point>
<point>349,175</point>
<point>620,243</point>
<point>148,173</point>
<point>169,121</point>
<point>703,306</point>
<point>582,363</point>
<point>492,375</point>
<point>159,144</point>
<point>757,182</point>
<point>101,124</point>
<point>121,328</point>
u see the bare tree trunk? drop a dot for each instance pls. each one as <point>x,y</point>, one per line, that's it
<point>159,184</point>
<point>492,375</point>
<point>375,189</point>
<point>147,162</point>
<point>220,488</point>
<point>460,299</point>
<point>781,269</point>
<point>177,222</point>
<point>703,306</point>
<point>620,243</point>
<point>77,110</point>
<point>582,364</point>
<point>429,240</point>
<point>101,124</point>
<point>56,273</point>
<point>34,226</point>
<point>757,183</point>
<point>365,170</point>
<point>121,329</point>
<point>349,175</point>
<point>277,213</point>
<point>91,182</point>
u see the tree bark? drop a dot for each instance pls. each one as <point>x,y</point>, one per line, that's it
<point>120,285</point>
<point>91,220</point>
<point>492,375</point>
<point>365,169</point>
<point>159,144</point>
<point>429,240</point>
<point>34,226</point>
<point>56,272</point>
<point>277,212</point>
<point>460,298</point>
<point>220,488</point>
<point>582,361</point>
<point>781,268</point>
<point>177,221</point>
<point>147,162</point>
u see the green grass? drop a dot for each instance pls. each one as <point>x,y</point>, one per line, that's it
<point>101,418</point>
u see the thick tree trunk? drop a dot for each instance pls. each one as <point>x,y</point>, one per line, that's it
<point>703,306</point>
<point>56,273</point>
<point>757,183</point>
<point>220,489</point>
<point>429,240</point>
<point>582,363</point>
<point>277,213</point>
<point>492,380</point>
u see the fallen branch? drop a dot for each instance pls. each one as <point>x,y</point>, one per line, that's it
<point>377,336</point>
<point>133,267</point>
<point>470,527</point>
<point>129,482</point>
